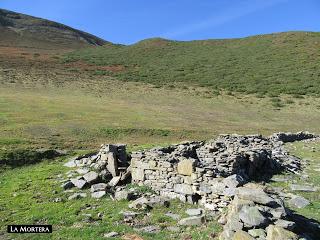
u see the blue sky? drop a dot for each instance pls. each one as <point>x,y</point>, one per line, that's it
<point>128,21</point>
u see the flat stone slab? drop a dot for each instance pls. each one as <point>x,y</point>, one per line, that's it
<point>110,235</point>
<point>71,163</point>
<point>91,177</point>
<point>194,211</point>
<point>99,194</point>
<point>303,188</point>
<point>192,221</point>
<point>298,202</point>
<point>98,187</point>
<point>254,194</point>
<point>78,183</point>
<point>114,181</point>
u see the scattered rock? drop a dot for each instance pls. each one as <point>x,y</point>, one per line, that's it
<point>91,177</point>
<point>99,187</point>
<point>173,229</point>
<point>303,188</point>
<point>192,221</point>
<point>298,202</point>
<point>78,183</point>
<point>98,194</point>
<point>150,229</point>
<point>67,185</point>
<point>114,181</point>
<point>111,235</point>
<point>194,211</point>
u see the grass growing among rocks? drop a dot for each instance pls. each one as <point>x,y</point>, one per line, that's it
<point>310,152</point>
<point>28,194</point>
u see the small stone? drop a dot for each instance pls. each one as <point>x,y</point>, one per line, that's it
<point>123,195</point>
<point>67,185</point>
<point>140,203</point>
<point>78,183</point>
<point>70,163</point>
<point>91,177</point>
<point>194,211</point>
<point>298,202</point>
<point>99,194</point>
<point>192,221</point>
<point>99,187</point>
<point>114,181</point>
<point>111,235</point>
<point>303,188</point>
<point>82,170</point>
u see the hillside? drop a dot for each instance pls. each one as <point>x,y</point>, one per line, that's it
<point>277,63</point>
<point>20,30</point>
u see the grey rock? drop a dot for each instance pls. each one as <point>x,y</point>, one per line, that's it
<point>114,181</point>
<point>123,195</point>
<point>303,188</point>
<point>79,183</point>
<point>82,170</point>
<point>251,217</point>
<point>99,187</point>
<point>192,221</point>
<point>140,203</point>
<point>183,189</point>
<point>67,185</point>
<point>194,211</point>
<point>70,163</point>
<point>298,202</point>
<point>234,181</point>
<point>91,177</point>
<point>112,164</point>
<point>111,235</point>
<point>285,224</point>
<point>255,194</point>
<point>99,194</point>
<point>242,235</point>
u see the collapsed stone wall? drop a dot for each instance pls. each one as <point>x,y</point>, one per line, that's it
<point>209,172</point>
<point>215,174</point>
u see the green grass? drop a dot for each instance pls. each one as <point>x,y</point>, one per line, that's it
<point>286,63</point>
<point>27,196</point>
<point>311,152</point>
<point>138,115</point>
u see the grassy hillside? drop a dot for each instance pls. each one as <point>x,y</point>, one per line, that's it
<point>20,30</point>
<point>267,64</point>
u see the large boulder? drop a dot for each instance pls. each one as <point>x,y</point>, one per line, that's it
<point>256,195</point>
<point>251,217</point>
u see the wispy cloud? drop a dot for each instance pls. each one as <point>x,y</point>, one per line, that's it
<point>241,9</point>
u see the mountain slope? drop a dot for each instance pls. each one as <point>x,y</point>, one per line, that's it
<point>275,63</point>
<point>20,30</point>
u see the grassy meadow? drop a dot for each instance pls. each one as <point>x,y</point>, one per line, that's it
<point>70,118</point>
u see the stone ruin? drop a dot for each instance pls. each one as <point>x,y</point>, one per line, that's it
<point>215,174</point>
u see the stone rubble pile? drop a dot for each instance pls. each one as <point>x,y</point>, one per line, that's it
<point>215,174</point>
